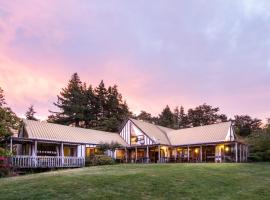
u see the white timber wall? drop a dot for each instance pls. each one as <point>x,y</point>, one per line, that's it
<point>230,135</point>
<point>131,129</point>
<point>125,133</point>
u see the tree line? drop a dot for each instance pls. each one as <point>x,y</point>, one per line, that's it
<point>103,108</point>
<point>199,116</point>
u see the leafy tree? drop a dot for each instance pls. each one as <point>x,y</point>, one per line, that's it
<point>70,102</point>
<point>109,146</point>
<point>166,118</point>
<point>2,98</point>
<point>205,115</point>
<point>259,146</point>
<point>8,119</point>
<point>245,125</point>
<point>30,113</point>
<point>145,116</point>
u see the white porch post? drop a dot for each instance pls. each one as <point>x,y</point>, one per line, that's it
<point>126,155</point>
<point>35,154</point>
<point>35,148</point>
<point>62,153</point>
<point>240,149</point>
<point>201,153</point>
<point>159,153</point>
<point>188,153</point>
<point>236,152</point>
<point>175,155</point>
<point>147,154</point>
<point>136,155</point>
<point>82,150</point>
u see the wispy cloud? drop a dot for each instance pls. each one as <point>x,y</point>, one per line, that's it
<point>176,52</point>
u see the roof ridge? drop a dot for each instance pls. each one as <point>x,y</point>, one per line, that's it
<point>151,123</point>
<point>62,125</point>
<point>201,126</point>
<point>165,134</point>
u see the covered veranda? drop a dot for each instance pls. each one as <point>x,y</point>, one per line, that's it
<point>198,153</point>
<point>29,153</point>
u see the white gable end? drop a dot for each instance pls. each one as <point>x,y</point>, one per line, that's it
<point>133,135</point>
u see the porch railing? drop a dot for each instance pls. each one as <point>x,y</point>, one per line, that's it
<point>46,162</point>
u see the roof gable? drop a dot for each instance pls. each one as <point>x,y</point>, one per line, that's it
<point>157,134</point>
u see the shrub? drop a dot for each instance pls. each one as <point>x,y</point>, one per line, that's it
<point>99,160</point>
<point>4,167</point>
<point>4,152</point>
<point>259,144</point>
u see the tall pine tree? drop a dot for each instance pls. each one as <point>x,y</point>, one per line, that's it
<point>176,118</point>
<point>183,119</point>
<point>166,118</point>
<point>30,113</point>
<point>70,102</point>
<point>99,108</point>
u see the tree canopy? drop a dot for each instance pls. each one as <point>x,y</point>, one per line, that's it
<point>80,105</point>
<point>167,118</point>
<point>245,125</point>
<point>205,115</point>
<point>30,113</point>
<point>8,119</point>
<point>145,116</point>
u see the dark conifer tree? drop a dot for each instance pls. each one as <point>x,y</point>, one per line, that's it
<point>183,119</point>
<point>70,102</point>
<point>176,118</point>
<point>166,118</point>
<point>30,113</point>
<point>145,116</point>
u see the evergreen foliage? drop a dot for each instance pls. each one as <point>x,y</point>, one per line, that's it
<point>166,118</point>
<point>30,113</point>
<point>145,116</point>
<point>80,105</point>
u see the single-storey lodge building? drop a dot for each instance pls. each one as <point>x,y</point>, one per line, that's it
<point>48,145</point>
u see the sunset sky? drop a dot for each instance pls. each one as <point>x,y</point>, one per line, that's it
<point>158,52</point>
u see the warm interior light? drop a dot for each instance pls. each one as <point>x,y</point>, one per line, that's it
<point>227,149</point>
<point>196,150</point>
<point>134,139</point>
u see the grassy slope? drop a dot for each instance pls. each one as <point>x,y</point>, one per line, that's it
<point>165,181</point>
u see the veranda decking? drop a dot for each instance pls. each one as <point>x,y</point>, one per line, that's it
<point>46,162</point>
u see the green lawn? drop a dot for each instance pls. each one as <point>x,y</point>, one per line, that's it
<point>163,181</point>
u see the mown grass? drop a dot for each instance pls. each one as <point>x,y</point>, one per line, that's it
<point>156,181</point>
